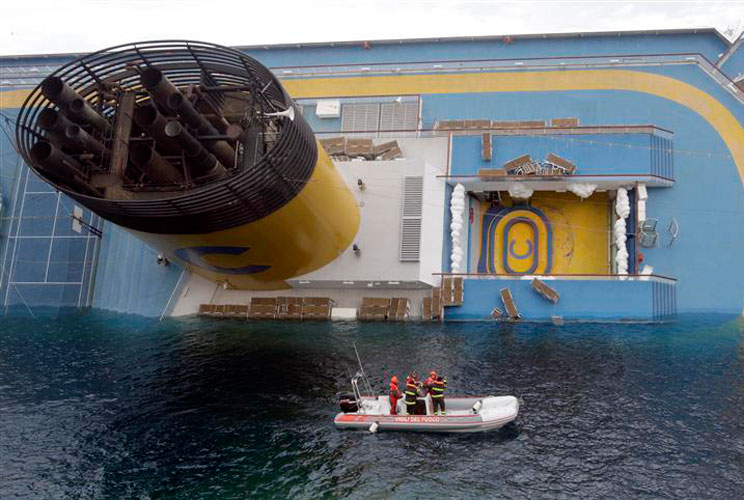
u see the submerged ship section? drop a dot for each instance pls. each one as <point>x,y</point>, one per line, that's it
<point>590,176</point>
<point>198,151</point>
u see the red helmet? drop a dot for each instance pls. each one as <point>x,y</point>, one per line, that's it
<point>394,379</point>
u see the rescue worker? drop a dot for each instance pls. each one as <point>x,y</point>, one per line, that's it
<point>411,393</point>
<point>437,395</point>
<point>429,383</point>
<point>394,395</point>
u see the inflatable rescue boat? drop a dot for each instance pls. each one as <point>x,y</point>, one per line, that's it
<point>464,414</point>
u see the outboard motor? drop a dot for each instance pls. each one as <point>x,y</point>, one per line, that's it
<point>347,401</point>
<point>477,406</point>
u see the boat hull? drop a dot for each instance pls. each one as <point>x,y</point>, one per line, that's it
<point>503,410</point>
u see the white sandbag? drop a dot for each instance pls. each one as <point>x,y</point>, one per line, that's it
<point>581,189</point>
<point>520,191</point>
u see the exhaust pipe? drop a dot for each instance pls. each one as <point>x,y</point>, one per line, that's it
<point>203,162</point>
<point>84,141</point>
<point>222,150</point>
<point>70,102</point>
<point>80,111</point>
<point>54,124</point>
<point>61,167</point>
<point>155,166</point>
<point>166,94</point>
<point>158,85</point>
<point>151,121</point>
<point>57,91</point>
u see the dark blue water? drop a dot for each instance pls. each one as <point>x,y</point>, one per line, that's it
<point>106,406</point>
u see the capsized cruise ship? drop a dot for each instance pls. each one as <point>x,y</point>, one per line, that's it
<point>587,176</point>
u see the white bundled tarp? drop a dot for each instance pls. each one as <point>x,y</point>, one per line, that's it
<point>619,231</point>
<point>520,191</point>
<point>622,203</point>
<point>582,189</point>
<point>457,210</point>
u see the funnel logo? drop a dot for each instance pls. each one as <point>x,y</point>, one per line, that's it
<point>515,240</point>
<point>197,256</point>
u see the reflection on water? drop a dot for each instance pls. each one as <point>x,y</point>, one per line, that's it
<point>111,406</point>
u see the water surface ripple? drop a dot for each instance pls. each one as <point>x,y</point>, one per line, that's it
<point>111,406</point>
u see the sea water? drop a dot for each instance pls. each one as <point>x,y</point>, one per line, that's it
<point>113,406</point>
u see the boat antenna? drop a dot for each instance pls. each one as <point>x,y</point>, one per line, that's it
<point>367,385</point>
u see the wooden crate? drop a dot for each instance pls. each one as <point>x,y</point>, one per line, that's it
<point>426,314</point>
<point>374,309</point>
<point>509,305</point>
<point>229,311</point>
<point>449,125</point>
<point>334,145</point>
<point>206,309</point>
<point>391,154</point>
<point>492,172</point>
<point>384,147</point>
<point>457,295</point>
<point>517,163</point>
<point>263,308</point>
<point>561,162</point>
<point>399,309</point>
<point>486,149</point>
<point>477,124</point>
<point>359,147</point>
<point>316,312</point>
<point>545,291</point>
<point>289,308</point>
<point>564,122</point>
<point>241,311</point>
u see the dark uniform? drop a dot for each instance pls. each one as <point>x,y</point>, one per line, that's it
<point>437,395</point>
<point>411,394</point>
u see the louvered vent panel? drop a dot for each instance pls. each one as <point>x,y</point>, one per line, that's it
<point>360,117</point>
<point>410,224</point>
<point>395,116</point>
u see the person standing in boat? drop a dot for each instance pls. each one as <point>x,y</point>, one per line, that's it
<point>411,393</point>
<point>429,382</point>
<point>437,395</point>
<point>394,395</point>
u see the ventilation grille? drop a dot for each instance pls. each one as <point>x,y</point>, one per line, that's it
<point>360,117</point>
<point>410,224</point>
<point>395,116</point>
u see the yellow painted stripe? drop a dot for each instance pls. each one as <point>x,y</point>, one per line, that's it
<point>13,98</point>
